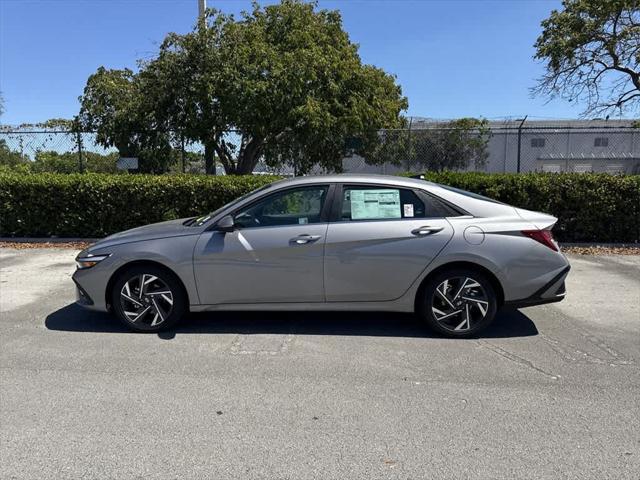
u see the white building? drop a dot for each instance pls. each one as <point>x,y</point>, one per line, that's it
<point>550,146</point>
<point>566,146</point>
<point>563,146</point>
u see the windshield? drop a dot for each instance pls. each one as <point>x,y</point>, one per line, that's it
<point>205,218</point>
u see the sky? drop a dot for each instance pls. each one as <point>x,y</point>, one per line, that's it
<point>454,58</point>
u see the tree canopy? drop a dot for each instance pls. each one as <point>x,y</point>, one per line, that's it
<point>110,106</point>
<point>591,52</point>
<point>113,106</point>
<point>9,157</point>
<point>282,83</point>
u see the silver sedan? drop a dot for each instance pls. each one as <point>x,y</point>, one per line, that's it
<point>340,242</point>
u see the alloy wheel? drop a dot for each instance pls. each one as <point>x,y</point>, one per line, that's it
<point>459,304</point>
<point>146,300</point>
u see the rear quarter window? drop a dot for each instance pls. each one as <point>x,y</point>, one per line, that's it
<point>440,208</point>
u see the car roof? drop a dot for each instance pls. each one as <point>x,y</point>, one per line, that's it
<point>475,204</point>
<point>356,178</point>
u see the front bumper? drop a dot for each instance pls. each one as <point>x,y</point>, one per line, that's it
<point>553,291</point>
<point>82,297</point>
<point>90,288</point>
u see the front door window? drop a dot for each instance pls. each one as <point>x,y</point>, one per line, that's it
<point>299,206</point>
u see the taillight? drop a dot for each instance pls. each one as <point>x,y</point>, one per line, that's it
<point>545,237</point>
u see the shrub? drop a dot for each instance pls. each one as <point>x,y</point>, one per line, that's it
<point>590,207</point>
<point>593,207</point>
<point>95,205</point>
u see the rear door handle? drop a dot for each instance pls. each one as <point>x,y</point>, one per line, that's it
<point>426,230</point>
<point>302,239</point>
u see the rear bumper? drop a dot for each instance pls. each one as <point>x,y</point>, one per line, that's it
<point>553,291</point>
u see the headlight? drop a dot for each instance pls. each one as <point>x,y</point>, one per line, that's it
<point>88,261</point>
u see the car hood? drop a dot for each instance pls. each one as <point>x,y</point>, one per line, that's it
<point>171,228</point>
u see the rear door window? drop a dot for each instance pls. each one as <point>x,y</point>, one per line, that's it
<point>380,203</point>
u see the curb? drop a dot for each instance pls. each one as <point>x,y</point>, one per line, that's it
<point>47,240</point>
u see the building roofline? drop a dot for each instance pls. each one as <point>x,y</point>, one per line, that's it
<point>418,123</point>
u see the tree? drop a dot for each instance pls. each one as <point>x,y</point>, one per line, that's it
<point>285,79</point>
<point>11,158</point>
<point>67,162</point>
<point>454,145</point>
<point>458,145</point>
<point>182,88</point>
<point>591,51</point>
<point>112,105</point>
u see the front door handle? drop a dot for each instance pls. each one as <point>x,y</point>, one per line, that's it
<point>302,239</point>
<point>426,230</point>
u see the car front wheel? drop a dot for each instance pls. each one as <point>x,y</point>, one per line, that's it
<point>459,303</point>
<point>148,299</point>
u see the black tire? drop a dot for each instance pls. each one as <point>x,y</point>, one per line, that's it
<point>477,305</point>
<point>161,314</point>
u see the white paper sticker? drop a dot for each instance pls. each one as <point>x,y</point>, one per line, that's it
<point>303,220</point>
<point>378,203</point>
<point>408,209</point>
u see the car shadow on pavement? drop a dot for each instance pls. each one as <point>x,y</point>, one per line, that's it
<point>72,318</point>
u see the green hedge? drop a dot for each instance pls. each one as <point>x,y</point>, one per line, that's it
<point>591,207</point>
<point>95,205</point>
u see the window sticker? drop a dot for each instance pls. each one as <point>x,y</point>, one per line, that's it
<point>375,204</point>
<point>303,220</point>
<point>408,209</point>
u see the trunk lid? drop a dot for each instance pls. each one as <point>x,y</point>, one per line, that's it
<point>541,221</point>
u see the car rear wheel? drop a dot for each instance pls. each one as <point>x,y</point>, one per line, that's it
<point>459,303</point>
<point>148,299</point>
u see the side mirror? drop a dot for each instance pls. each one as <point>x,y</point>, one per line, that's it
<point>226,224</point>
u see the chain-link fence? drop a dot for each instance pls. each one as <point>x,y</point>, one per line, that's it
<point>610,150</point>
<point>55,150</point>
<point>509,147</point>
<point>573,146</point>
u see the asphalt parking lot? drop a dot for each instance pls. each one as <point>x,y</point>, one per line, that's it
<point>548,392</point>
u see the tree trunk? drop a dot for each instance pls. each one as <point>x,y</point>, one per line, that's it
<point>249,157</point>
<point>209,157</point>
<point>245,167</point>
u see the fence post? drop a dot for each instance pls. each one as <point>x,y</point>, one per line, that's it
<point>408,166</point>
<point>520,140</point>
<point>79,140</point>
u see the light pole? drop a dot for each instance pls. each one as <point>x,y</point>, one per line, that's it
<point>521,120</point>
<point>202,25</point>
